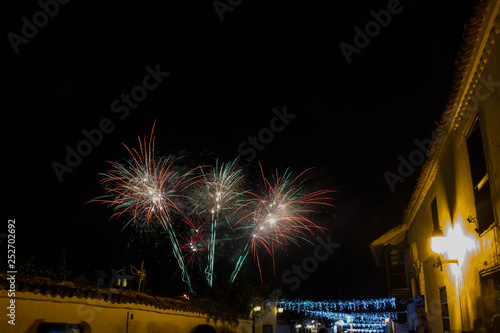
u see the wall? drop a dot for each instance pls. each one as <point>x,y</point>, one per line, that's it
<point>107,317</point>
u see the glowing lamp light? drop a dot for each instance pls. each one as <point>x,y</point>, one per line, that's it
<point>438,241</point>
<point>458,243</point>
<point>280,310</point>
<point>257,308</point>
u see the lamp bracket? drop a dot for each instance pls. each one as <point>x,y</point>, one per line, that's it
<point>450,261</point>
<point>439,263</point>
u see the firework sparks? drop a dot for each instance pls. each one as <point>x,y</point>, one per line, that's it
<point>194,243</point>
<point>152,194</point>
<point>281,215</point>
<point>223,183</point>
<point>149,190</point>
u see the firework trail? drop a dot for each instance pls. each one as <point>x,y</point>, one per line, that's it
<point>149,190</point>
<point>280,216</point>
<point>222,193</point>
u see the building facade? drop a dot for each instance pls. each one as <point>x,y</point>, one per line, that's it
<point>456,202</point>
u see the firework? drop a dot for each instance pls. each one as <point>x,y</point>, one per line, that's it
<point>194,243</point>
<point>148,190</point>
<point>281,215</point>
<point>153,194</point>
<point>222,192</point>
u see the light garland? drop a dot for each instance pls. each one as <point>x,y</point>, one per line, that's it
<point>364,325</point>
<point>340,306</point>
<point>370,315</point>
<point>368,318</point>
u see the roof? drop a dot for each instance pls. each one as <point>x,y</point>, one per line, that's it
<point>64,289</point>
<point>475,48</point>
<point>479,34</point>
<point>394,236</point>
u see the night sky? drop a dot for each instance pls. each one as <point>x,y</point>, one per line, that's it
<point>351,121</point>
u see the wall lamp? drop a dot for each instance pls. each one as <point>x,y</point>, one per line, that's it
<point>438,241</point>
<point>471,219</point>
<point>439,246</point>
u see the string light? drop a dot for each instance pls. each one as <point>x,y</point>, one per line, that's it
<point>353,305</point>
<point>370,318</point>
<point>370,315</point>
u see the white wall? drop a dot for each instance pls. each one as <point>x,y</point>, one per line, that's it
<point>107,317</point>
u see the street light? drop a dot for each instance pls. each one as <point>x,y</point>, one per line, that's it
<point>255,309</point>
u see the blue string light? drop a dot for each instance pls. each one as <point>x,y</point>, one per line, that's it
<point>355,317</point>
<point>353,305</point>
<point>367,315</point>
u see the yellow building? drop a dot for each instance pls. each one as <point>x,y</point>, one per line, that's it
<point>457,197</point>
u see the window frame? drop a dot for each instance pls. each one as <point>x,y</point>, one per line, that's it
<point>482,227</point>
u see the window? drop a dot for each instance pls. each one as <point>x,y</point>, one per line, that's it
<point>480,178</point>
<point>269,328</point>
<point>444,309</point>
<point>398,272</point>
<point>490,287</point>
<point>435,217</point>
